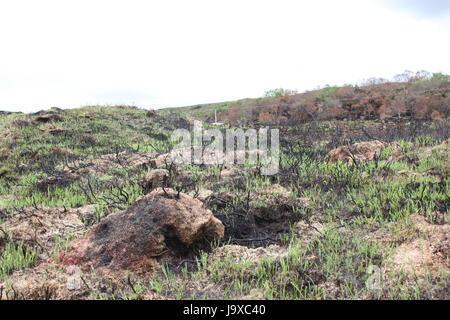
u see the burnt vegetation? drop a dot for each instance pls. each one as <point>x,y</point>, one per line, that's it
<point>363,181</point>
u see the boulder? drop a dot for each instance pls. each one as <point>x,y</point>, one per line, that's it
<point>161,225</point>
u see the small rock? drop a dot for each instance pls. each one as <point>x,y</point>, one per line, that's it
<point>202,195</point>
<point>151,113</point>
<point>155,179</point>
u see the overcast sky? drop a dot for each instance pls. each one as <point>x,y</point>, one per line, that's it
<point>171,53</point>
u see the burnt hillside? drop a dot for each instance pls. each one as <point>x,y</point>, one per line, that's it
<point>410,95</point>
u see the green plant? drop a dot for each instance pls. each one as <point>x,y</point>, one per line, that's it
<point>15,257</point>
<point>279,92</point>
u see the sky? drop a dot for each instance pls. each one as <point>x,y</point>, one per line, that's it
<point>167,53</point>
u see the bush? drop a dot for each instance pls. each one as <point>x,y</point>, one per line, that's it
<point>279,92</point>
<point>326,93</point>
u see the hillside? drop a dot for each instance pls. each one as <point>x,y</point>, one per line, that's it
<point>93,207</point>
<point>414,95</point>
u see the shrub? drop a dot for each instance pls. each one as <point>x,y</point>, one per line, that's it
<point>325,94</point>
<point>279,92</point>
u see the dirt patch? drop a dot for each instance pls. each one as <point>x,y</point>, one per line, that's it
<point>308,232</point>
<point>39,228</point>
<point>109,162</point>
<point>276,201</point>
<point>45,282</point>
<point>52,129</point>
<point>10,135</point>
<point>58,181</point>
<point>424,246</point>
<point>160,226</point>
<point>259,218</point>
<point>358,152</point>
<point>230,173</point>
<point>101,166</point>
<point>51,282</point>
<point>244,254</point>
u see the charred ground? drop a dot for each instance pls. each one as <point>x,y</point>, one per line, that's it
<point>350,194</point>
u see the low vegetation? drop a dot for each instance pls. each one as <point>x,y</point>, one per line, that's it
<point>366,225</point>
<point>418,95</point>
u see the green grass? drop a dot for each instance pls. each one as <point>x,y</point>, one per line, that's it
<point>15,257</point>
<point>349,201</point>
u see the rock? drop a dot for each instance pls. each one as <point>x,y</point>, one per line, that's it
<point>161,160</point>
<point>74,282</point>
<point>437,115</point>
<point>220,199</point>
<point>87,213</point>
<point>160,225</point>
<point>359,152</point>
<point>151,113</point>
<point>49,117</point>
<point>202,195</point>
<point>156,178</point>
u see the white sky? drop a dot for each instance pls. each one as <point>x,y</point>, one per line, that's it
<point>172,53</point>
